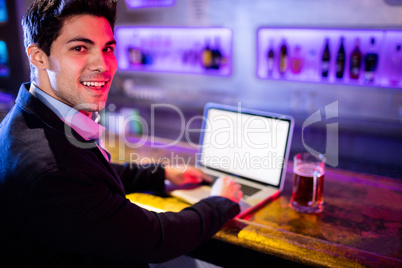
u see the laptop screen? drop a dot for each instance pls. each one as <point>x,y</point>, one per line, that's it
<point>247,145</point>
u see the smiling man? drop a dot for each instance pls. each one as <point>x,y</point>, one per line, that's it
<point>64,205</point>
<point>81,64</point>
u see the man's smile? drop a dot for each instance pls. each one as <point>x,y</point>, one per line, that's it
<point>93,83</point>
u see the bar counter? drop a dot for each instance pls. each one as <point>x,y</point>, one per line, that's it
<point>361,225</point>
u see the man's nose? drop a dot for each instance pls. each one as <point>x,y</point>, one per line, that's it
<point>99,63</point>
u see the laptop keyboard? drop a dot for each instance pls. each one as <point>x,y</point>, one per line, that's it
<point>248,190</point>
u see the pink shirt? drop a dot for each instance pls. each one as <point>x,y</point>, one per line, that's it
<point>86,127</point>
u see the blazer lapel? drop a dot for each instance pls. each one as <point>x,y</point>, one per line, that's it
<point>35,107</point>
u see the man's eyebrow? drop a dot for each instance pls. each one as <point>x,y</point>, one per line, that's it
<point>89,41</point>
<point>111,42</point>
<point>81,39</point>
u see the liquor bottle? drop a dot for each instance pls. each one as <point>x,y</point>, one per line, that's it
<point>135,52</point>
<point>270,58</point>
<point>395,72</point>
<point>206,56</point>
<point>340,60</point>
<point>325,59</point>
<point>135,56</point>
<point>216,55</point>
<point>296,62</point>
<point>195,55</point>
<point>370,63</point>
<point>283,58</point>
<point>310,65</point>
<point>146,50</point>
<point>355,61</point>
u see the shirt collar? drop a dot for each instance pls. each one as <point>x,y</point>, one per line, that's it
<point>86,127</point>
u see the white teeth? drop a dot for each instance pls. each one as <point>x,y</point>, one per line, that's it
<point>93,84</point>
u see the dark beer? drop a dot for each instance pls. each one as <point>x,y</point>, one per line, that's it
<point>304,191</point>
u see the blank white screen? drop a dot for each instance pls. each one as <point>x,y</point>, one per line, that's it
<point>246,145</point>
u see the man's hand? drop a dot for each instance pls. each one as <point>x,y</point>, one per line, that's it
<point>188,175</point>
<point>228,188</point>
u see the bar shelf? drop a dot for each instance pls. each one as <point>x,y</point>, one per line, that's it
<point>204,51</point>
<point>368,57</point>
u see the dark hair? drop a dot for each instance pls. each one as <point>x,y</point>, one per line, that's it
<point>44,19</point>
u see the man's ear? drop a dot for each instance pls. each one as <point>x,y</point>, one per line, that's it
<point>37,57</point>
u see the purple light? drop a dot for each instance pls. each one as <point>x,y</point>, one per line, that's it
<point>4,62</point>
<point>149,3</point>
<point>3,11</point>
<point>305,48</point>
<point>205,51</point>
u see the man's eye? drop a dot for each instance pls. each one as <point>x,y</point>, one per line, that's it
<point>108,49</point>
<point>79,48</point>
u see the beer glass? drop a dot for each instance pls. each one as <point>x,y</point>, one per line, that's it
<point>308,184</point>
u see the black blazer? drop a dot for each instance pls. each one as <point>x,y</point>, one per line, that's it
<point>65,206</point>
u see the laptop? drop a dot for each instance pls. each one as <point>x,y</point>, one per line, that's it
<point>248,145</point>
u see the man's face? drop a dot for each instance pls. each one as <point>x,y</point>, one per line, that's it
<point>82,63</point>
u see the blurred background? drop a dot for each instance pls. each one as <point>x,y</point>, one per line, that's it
<point>269,55</point>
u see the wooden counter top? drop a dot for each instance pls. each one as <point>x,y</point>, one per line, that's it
<point>360,226</point>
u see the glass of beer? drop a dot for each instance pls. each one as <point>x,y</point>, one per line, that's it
<point>308,184</point>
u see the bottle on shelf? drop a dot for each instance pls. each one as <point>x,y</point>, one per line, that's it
<point>206,55</point>
<point>216,55</point>
<point>147,57</point>
<point>185,56</point>
<point>195,58</point>
<point>283,58</point>
<point>325,60</point>
<point>296,63</point>
<point>270,58</point>
<point>340,60</point>
<point>135,53</point>
<point>355,61</point>
<point>310,66</point>
<point>135,56</point>
<point>395,71</point>
<point>370,63</point>
<point>166,51</point>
